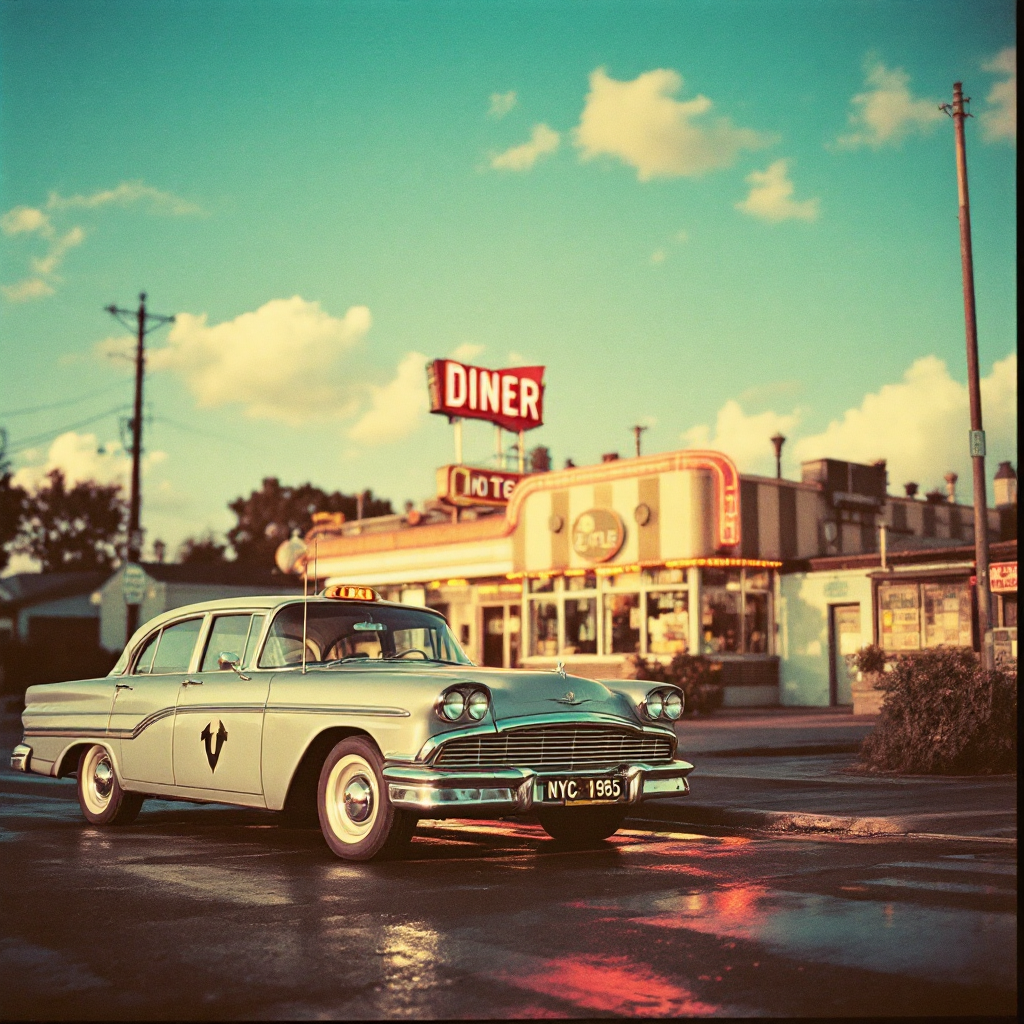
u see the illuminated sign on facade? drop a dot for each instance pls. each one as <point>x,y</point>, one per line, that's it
<point>513,399</point>
<point>463,485</point>
<point>598,534</point>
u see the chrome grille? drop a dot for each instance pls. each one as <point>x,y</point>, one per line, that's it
<point>564,746</point>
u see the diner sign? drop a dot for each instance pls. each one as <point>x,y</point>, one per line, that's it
<point>464,485</point>
<point>513,399</point>
<point>1002,577</point>
<point>598,534</point>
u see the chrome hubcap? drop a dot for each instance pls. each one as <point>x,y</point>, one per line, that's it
<point>358,799</point>
<point>103,778</point>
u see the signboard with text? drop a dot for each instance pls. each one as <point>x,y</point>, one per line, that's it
<point>464,485</point>
<point>513,399</point>
<point>1002,577</point>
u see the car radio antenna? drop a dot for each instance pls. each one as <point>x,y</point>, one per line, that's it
<point>305,605</point>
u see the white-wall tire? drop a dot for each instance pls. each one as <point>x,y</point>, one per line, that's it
<point>357,818</point>
<point>100,795</point>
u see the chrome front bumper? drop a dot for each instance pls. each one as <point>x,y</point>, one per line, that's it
<point>435,792</point>
<point>20,757</point>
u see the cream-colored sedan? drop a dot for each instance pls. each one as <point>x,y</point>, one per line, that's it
<point>364,713</point>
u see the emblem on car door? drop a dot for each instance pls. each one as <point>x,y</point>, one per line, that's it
<point>214,742</point>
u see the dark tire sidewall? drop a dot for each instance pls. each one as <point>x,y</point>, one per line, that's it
<point>582,825</point>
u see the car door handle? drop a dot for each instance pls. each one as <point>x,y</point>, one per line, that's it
<point>123,686</point>
<point>192,682</point>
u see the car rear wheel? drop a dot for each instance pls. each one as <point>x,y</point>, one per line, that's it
<point>356,815</point>
<point>100,795</point>
<point>581,826</point>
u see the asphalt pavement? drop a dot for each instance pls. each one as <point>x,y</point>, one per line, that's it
<point>797,770</point>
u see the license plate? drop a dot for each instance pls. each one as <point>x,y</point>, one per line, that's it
<point>608,790</point>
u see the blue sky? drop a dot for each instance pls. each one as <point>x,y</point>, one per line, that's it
<point>719,220</point>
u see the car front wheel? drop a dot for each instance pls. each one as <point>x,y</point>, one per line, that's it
<point>581,826</point>
<point>100,795</point>
<point>356,815</point>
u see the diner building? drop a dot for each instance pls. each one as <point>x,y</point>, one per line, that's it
<point>655,556</point>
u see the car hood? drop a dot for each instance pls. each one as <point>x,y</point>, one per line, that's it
<point>518,693</point>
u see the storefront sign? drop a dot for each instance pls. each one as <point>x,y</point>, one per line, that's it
<point>133,583</point>
<point>598,534</point>
<point>513,399</point>
<point>463,485</point>
<point>1002,577</point>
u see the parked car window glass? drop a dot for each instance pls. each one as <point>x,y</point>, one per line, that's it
<point>254,634</point>
<point>145,660</point>
<point>228,635</point>
<point>357,631</point>
<point>174,652</point>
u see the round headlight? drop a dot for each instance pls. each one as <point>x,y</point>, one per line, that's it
<point>477,705</point>
<point>453,705</point>
<point>655,704</point>
<point>673,706</point>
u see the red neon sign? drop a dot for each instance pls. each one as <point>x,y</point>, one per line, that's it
<point>513,399</point>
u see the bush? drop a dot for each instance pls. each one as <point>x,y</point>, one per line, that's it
<point>870,659</point>
<point>944,715</point>
<point>697,677</point>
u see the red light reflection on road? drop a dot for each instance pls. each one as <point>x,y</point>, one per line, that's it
<point>612,985</point>
<point>736,910</point>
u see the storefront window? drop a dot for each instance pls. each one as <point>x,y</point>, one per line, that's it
<point>947,614</point>
<point>622,623</point>
<point>755,623</point>
<point>899,616</point>
<point>544,628</point>
<point>588,581</point>
<point>726,578</point>
<point>756,579</point>
<point>720,620</point>
<point>663,577</point>
<point>668,621</point>
<point>542,586</point>
<point>581,625</point>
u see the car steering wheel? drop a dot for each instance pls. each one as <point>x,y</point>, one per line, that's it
<point>412,650</point>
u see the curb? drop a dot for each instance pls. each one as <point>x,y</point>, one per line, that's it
<point>807,823</point>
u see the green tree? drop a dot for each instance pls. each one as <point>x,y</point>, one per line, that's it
<point>201,551</point>
<point>79,527</point>
<point>11,502</point>
<point>268,516</point>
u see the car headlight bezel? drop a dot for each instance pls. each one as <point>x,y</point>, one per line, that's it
<point>674,705</point>
<point>654,703</point>
<point>471,700</point>
<point>478,703</point>
<point>664,704</point>
<point>452,705</point>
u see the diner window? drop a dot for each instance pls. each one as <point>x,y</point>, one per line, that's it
<point>720,620</point>
<point>622,623</point>
<point>544,628</point>
<point>544,585</point>
<point>664,577</point>
<point>1009,616</point>
<point>899,619</point>
<point>755,623</point>
<point>668,621</point>
<point>947,614</point>
<point>580,625</point>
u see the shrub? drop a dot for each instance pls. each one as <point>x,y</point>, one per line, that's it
<point>870,659</point>
<point>945,715</point>
<point>698,678</point>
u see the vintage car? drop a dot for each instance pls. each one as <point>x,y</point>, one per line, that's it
<point>368,711</point>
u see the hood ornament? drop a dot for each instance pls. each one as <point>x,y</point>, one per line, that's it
<point>560,669</point>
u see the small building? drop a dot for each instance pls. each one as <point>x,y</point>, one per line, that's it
<point>170,585</point>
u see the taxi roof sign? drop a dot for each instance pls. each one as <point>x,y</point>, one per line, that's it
<point>345,592</point>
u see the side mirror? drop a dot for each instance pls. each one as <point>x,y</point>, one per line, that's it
<point>227,659</point>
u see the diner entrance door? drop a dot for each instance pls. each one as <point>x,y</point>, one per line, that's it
<point>844,638</point>
<point>502,631</point>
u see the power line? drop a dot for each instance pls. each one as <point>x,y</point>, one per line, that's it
<point>49,435</point>
<point>201,433</point>
<point>60,405</point>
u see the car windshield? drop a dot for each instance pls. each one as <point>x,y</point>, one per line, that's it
<point>353,632</point>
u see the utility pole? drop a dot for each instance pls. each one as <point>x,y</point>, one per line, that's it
<point>977,435</point>
<point>637,431</point>
<point>778,441</point>
<point>145,322</point>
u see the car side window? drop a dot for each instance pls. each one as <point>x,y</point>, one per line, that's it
<point>144,662</point>
<point>254,634</point>
<point>174,653</point>
<point>229,634</point>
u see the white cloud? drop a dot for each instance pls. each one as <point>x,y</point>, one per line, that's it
<point>744,438</point>
<point>641,124</point>
<point>920,425</point>
<point>30,220</point>
<point>771,196</point>
<point>281,362</point>
<point>502,103</point>
<point>23,220</point>
<point>125,194</point>
<point>886,112</point>
<point>543,140</point>
<point>25,291</point>
<point>80,457</point>
<point>999,121</point>
<point>397,408</point>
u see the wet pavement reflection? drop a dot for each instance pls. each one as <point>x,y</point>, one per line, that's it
<point>219,912</point>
